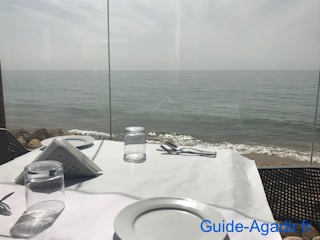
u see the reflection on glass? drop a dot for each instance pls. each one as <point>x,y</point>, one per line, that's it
<point>232,75</point>
<point>54,62</point>
<point>314,131</point>
<point>240,75</point>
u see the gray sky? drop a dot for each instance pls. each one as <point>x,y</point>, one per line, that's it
<point>160,34</point>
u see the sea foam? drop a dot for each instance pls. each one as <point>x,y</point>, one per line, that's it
<point>188,140</point>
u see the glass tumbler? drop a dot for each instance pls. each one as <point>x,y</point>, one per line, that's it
<point>135,144</point>
<point>44,184</point>
<point>44,181</point>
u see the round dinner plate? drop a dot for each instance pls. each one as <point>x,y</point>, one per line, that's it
<point>78,141</point>
<point>167,218</point>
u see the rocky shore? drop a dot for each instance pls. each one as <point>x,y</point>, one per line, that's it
<point>31,139</point>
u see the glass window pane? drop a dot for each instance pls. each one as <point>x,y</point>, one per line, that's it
<point>54,62</point>
<point>230,74</point>
<point>315,148</point>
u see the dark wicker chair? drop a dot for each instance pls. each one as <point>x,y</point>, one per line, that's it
<point>10,147</point>
<point>293,193</point>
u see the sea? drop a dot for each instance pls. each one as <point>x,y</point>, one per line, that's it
<point>267,112</point>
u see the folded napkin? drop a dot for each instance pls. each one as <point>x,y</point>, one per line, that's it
<point>75,163</point>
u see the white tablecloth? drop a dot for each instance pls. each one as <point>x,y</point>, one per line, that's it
<point>230,183</point>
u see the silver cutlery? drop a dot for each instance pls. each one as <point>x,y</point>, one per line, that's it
<point>4,208</point>
<point>171,148</point>
<point>175,147</point>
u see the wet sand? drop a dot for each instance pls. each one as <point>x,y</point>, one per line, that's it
<point>267,160</point>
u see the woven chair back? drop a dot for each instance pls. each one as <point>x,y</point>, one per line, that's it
<point>293,193</point>
<point>10,147</point>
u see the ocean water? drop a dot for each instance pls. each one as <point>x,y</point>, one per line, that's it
<point>269,112</point>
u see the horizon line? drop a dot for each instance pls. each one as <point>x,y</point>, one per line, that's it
<point>160,70</point>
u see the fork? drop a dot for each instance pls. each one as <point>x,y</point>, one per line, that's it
<point>189,149</point>
<point>185,151</point>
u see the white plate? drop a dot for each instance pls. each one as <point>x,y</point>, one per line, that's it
<point>78,141</point>
<point>167,218</point>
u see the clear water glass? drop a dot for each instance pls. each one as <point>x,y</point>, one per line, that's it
<point>44,186</point>
<point>44,181</point>
<point>135,144</point>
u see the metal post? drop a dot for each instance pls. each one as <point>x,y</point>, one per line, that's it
<point>315,122</point>
<point>109,72</point>
<point>2,113</point>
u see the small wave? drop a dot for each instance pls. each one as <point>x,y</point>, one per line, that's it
<point>94,134</point>
<point>188,140</point>
<point>270,150</point>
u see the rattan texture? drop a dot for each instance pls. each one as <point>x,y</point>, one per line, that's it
<point>293,193</point>
<point>10,147</point>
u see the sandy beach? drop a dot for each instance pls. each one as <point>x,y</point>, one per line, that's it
<point>263,160</point>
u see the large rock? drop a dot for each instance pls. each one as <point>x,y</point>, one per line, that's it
<point>23,142</point>
<point>40,134</point>
<point>57,132</point>
<point>34,143</point>
<point>20,132</point>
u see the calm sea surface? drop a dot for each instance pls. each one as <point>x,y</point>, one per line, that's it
<point>256,110</point>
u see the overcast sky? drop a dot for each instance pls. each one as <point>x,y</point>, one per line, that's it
<point>160,34</point>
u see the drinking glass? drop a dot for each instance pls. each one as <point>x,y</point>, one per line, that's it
<point>44,181</point>
<point>44,185</point>
<point>135,144</point>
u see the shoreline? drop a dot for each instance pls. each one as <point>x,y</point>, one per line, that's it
<point>31,139</point>
<point>264,160</point>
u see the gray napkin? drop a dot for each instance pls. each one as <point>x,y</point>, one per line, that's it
<point>75,163</point>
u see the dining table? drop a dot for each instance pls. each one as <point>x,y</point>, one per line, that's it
<point>228,183</point>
